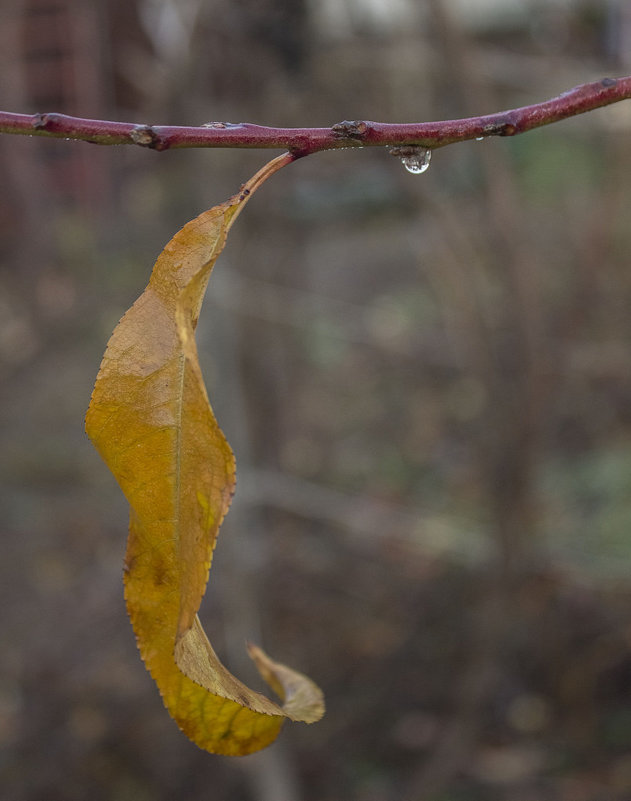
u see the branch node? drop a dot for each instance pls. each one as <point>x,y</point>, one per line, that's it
<point>502,128</point>
<point>146,136</point>
<point>350,129</point>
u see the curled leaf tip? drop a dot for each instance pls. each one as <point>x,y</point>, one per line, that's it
<point>302,699</point>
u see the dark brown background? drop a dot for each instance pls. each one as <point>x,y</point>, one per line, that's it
<point>426,381</point>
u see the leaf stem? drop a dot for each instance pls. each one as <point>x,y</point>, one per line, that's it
<point>304,141</point>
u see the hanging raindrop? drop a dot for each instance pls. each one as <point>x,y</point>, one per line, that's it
<point>418,162</point>
<point>414,158</point>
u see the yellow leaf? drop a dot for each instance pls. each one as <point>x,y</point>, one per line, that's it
<point>152,423</point>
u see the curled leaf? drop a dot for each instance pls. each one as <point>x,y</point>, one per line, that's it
<point>151,421</point>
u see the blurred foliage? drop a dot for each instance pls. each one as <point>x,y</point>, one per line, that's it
<point>426,381</point>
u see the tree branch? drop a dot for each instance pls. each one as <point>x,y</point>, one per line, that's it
<point>304,141</point>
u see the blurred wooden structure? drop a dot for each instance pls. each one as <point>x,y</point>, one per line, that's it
<point>51,54</point>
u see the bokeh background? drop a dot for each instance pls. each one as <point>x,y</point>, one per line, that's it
<point>426,380</point>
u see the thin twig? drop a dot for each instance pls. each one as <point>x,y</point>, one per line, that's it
<point>303,141</point>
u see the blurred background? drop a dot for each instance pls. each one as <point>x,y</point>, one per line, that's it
<point>426,380</point>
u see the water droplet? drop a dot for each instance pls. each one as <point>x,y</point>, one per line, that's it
<point>479,138</point>
<point>414,158</point>
<point>417,162</point>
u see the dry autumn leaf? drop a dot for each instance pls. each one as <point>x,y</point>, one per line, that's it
<point>152,423</point>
